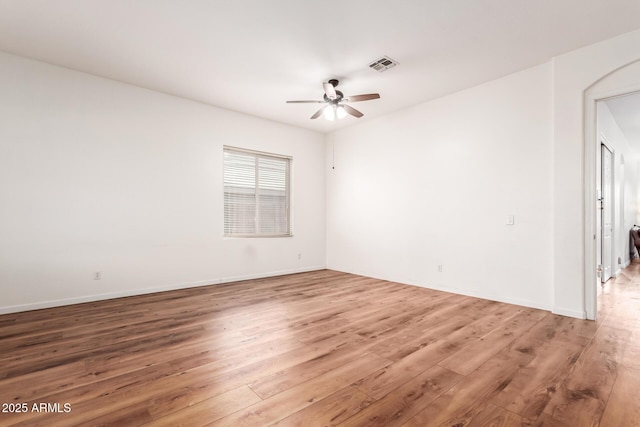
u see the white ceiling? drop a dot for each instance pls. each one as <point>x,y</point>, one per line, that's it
<point>253,55</point>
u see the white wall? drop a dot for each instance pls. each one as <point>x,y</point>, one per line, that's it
<point>440,135</point>
<point>96,175</point>
<point>433,185</point>
<point>625,175</point>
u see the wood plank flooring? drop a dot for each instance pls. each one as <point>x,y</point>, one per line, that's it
<point>322,349</point>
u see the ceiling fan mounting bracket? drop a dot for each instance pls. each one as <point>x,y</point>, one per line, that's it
<point>333,82</point>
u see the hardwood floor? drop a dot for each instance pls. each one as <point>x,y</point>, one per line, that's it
<point>318,349</point>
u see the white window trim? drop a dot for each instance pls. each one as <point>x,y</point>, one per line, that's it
<point>262,154</point>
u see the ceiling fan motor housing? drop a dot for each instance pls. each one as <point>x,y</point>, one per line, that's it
<point>338,98</point>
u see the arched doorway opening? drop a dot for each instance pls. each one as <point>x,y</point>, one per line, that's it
<point>598,101</point>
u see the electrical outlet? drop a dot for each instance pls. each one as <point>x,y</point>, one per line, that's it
<point>97,275</point>
<point>510,220</point>
<point>439,268</point>
<point>299,256</point>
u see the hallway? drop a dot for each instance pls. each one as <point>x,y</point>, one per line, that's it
<point>617,341</point>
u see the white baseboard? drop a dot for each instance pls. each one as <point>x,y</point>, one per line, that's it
<point>458,291</point>
<point>626,264</point>
<point>569,313</point>
<point>270,274</point>
<point>622,267</point>
<point>111,295</point>
<point>487,296</point>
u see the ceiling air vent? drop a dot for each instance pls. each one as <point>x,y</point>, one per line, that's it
<point>383,64</point>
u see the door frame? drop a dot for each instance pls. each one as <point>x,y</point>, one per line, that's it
<point>613,203</point>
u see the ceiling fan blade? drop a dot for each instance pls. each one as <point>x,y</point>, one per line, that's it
<point>355,113</point>
<point>329,90</point>
<point>305,102</point>
<point>318,113</point>
<point>365,97</point>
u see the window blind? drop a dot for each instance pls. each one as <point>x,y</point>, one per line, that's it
<point>256,193</point>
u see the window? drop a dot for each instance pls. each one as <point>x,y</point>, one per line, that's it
<point>256,193</point>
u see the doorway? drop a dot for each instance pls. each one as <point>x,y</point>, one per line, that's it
<point>612,187</point>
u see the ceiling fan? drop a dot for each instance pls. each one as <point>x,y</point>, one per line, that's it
<point>335,102</point>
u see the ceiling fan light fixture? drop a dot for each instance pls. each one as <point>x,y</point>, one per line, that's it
<point>334,99</point>
<point>329,113</point>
